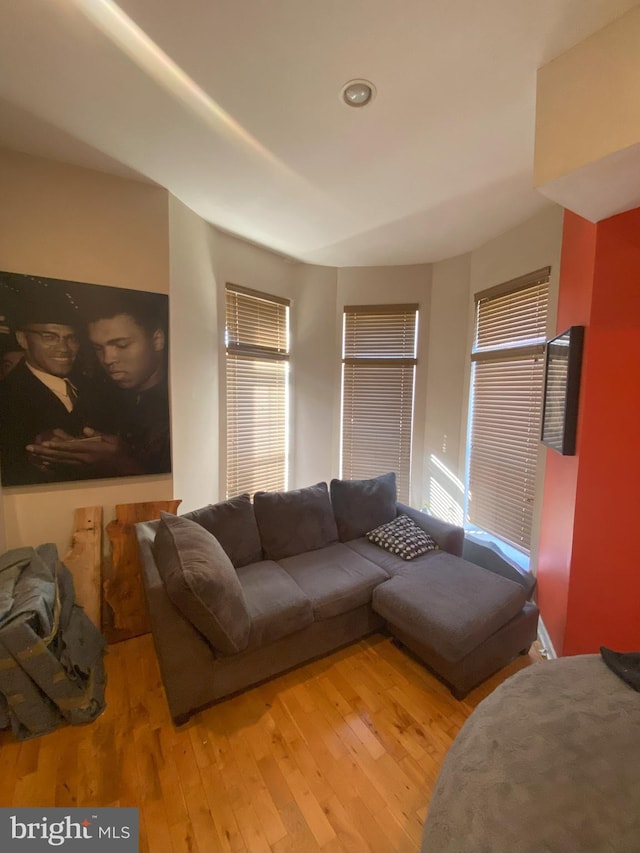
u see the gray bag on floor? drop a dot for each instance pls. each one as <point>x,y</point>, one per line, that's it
<point>51,654</point>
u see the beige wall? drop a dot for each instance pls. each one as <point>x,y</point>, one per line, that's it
<point>446,407</point>
<point>403,284</point>
<point>534,244</point>
<point>312,292</point>
<point>82,225</point>
<point>315,347</point>
<point>65,222</point>
<point>78,224</point>
<point>587,100</point>
<point>195,354</point>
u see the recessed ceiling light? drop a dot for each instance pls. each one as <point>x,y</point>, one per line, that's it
<point>358,93</point>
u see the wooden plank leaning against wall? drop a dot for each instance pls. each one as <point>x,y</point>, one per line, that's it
<point>110,588</point>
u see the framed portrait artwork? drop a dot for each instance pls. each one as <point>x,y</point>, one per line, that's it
<point>83,381</point>
<point>563,363</point>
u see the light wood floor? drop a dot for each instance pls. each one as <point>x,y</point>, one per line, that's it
<point>339,755</point>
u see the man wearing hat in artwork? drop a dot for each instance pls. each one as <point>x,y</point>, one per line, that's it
<point>44,392</point>
<point>128,333</point>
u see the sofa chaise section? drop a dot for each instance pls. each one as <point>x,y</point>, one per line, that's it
<point>461,620</point>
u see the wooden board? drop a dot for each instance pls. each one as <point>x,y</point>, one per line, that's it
<point>124,606</point>
<point>84,560</point>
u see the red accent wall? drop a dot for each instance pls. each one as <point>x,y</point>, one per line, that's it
<point>588,571</point>
<point>561,474</point>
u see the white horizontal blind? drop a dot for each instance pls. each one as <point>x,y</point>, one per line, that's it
<point>257,322</point>
<point>507,390</point>
<point>257,391</point>
<point>378,376</point>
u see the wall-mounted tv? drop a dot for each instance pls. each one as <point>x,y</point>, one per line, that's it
<point>563,363</point>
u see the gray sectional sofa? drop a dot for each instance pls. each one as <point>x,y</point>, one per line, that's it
<point>240,591</point>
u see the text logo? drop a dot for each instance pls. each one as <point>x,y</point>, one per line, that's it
<point>33,830</point>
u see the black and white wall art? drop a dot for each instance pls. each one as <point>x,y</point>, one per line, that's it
<point>83,381</point>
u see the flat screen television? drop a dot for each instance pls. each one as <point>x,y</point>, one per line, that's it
<point>563,362</point>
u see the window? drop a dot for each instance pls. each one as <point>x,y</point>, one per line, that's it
<point>378,375</point>
<point>506,406</point>
<point>257,341</point>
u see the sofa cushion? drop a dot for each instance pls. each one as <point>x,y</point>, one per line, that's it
<point>388,562</point>
<point>402,537</point>
<point>335,579</point>
<point>296,521</point>
<point>276,603</point>
<point>233,523</point>
<point>448,604</point>
<point>361,505</point>
<point>392,564</point>
<point>201,582</point>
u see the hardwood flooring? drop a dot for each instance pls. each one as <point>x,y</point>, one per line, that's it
<point>339,755</point>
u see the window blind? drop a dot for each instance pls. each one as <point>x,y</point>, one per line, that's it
<point>257,343</point>
<point>378,377</point>
<point>507,391</point>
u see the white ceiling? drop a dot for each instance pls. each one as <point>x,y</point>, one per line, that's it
<point>234,106</point>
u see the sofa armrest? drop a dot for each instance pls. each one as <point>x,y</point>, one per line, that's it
<point>183,653</point>
<point>489,557</point>
<point>447,536</point>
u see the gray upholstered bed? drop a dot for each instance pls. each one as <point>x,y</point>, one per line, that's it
<point>548,762</point>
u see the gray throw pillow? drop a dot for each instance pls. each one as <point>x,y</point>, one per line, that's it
<point>293,522</point>
<point>361,505</point>
<point>402,537</point>
<point>201,582</point>
<point>233,523</point>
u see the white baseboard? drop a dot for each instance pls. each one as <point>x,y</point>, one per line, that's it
<point>545,641</point>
